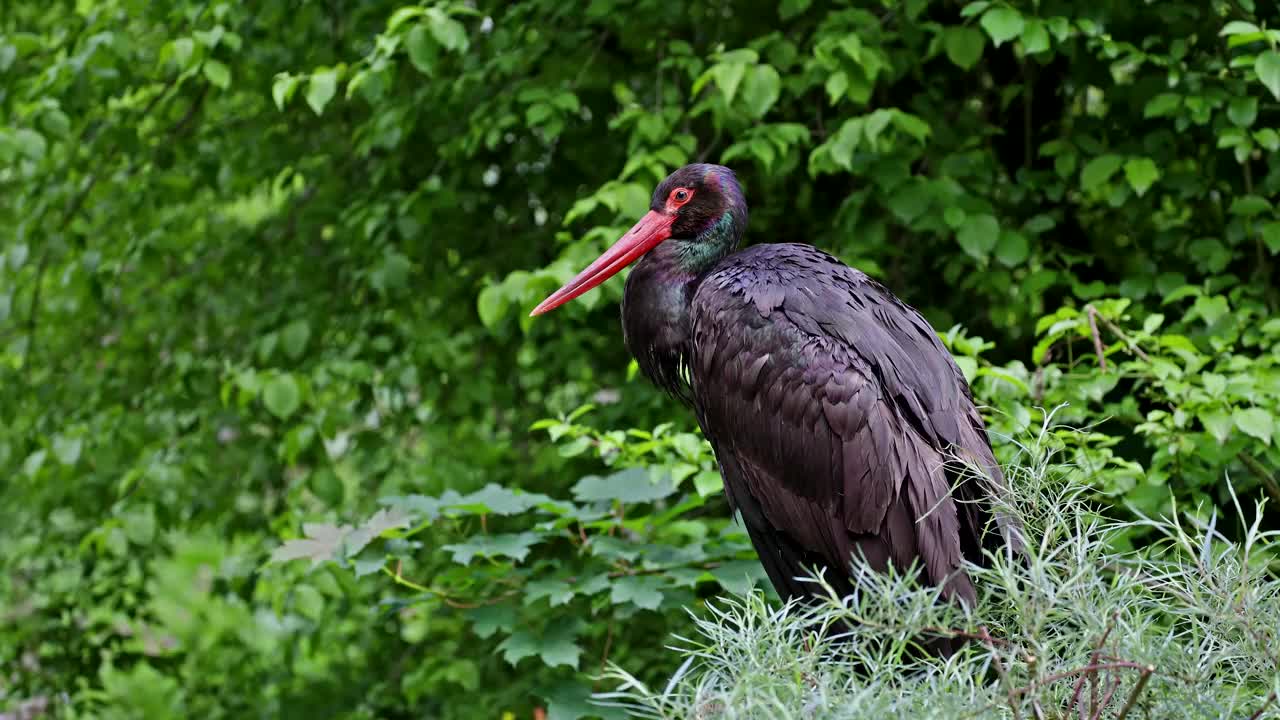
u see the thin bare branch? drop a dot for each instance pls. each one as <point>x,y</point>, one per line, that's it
<point>1097,339</point>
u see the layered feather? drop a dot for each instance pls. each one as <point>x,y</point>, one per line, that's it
<point>841,424</point>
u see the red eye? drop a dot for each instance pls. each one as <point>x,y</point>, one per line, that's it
<point>681,195</point>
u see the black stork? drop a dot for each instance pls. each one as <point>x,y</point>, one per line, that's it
<point>841,424</point>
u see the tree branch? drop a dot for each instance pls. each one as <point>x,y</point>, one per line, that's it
<point>1271,697</point>
<point>1257,468</point>
<point>1106,700</point>
<point>1130,342</point>
<point>1137,690</point>
<point>181,126</point>
<point>33,313</point>
<point>1097,339</point>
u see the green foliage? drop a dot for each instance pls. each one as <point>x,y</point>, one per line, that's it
<point>532,568</point>
<point>274,412</point>
<point>1184,628</point>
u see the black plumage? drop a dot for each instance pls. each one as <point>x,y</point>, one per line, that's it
<point>842,426</point>
<point>840,421</point>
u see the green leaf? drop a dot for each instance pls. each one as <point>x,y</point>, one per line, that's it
<point>1040,224</point>
<point>1238,27</point>
<point>568,102</point>
<point>512,545</point>
<point>308,601</point>
<point>1141,173</point>
<point>571,700</point>
<point>555,590</point>
<point>140,524</point>
<point>837,83</point>
<point>421,506</point>
<point>1099,170</point>
<point>978,236</point>
<point>788,9</point>
<point>1035,38</point>
<point>708,482</point>
<point>491,304</point>
<point>728,76</point>
<point>56,123</point>
<point>1243,111</point>
<point>1268,138</point>
<point>875,124</point>
<point>34,462</point>
<point>8,54</point>
<point>30,143</point>
<point>846,141</point>
<point>184,49</point>
<point>383,521</point>
<point>1249,206</point>
<point>1210,308</point>
<point>910,201</point>
<point>282,396</point>
<point>67,449</point>
<point>1214,384</point>
<point>1267,65</point>
<point>491,618</point>
<point>404,15</point>
<point>211,37</point>
<point>293,338</point>
<point>283,88</point>
<point>741,56</point>
<point>392,273</point>
<point>1002,24</point>
<point>320,90</point>
<point>1255,422</point>
<point>218,73</point>
<point>760,89</point>
<point>518,646</point>
<point>499,500</point>
<point>643,591</point>
<point>912,125</point>
<point>1271,236</point>
<point>538,114</point>
<point>1162,104</point>
<point>17,255</point>
<point>631,486</point>
<point>1217,423</point>
<point>739,576</point>
<point>321,542</point>
<point>448,32</point>
<point>963,45</point>
<point>421,49</point>
<point>555,647</point>
<point>1012,248</point>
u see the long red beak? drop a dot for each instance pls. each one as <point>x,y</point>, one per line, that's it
<point>652,229</point>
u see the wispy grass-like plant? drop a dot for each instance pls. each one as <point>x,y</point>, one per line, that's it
<point>1187,626</point>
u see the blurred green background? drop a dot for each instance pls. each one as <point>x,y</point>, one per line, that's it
<point>278,439</point>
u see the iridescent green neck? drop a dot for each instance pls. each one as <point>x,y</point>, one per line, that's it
<point>696,256</point>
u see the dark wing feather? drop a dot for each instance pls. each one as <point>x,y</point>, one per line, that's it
<point>833,409</point>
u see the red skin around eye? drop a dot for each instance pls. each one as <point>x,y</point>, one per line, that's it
<point>673,202</point>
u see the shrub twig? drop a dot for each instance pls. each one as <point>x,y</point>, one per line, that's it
<point>1097,338</point>
<point>1137,690</point>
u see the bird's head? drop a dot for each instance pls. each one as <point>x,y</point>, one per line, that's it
<point>699,207</point>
